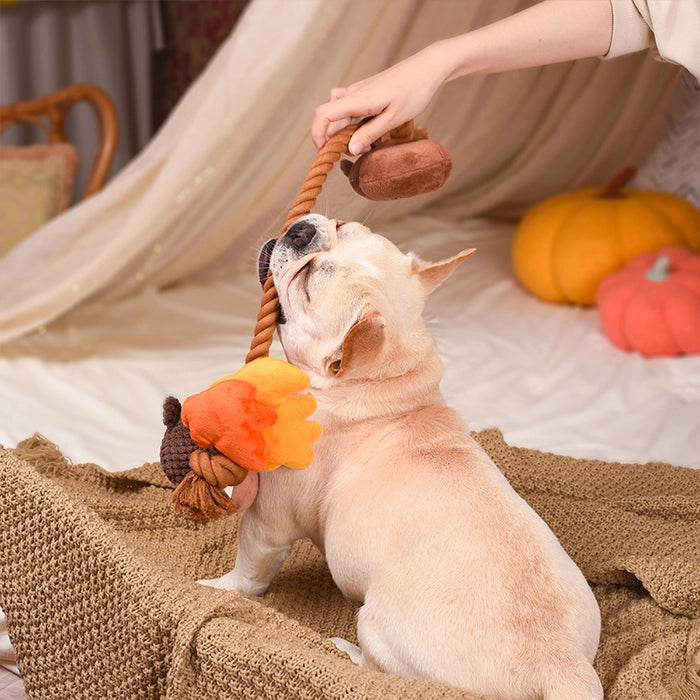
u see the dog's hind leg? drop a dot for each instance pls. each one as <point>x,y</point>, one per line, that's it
<point>380,649</point>
<point>575,682</point>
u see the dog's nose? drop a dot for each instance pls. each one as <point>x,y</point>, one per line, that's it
<point>300,234</point>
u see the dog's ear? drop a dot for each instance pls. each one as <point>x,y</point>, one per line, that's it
<point>432,275</point>
<point>361,344</point>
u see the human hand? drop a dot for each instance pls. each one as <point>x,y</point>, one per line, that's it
<point>390,98</point>
<point>551,31</point>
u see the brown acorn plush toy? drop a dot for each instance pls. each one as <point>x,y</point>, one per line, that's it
<point>183,461</point>
<point>404,163</point>
<point>253,420</point>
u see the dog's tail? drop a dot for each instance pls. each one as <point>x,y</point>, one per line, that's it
<point>574,682</point>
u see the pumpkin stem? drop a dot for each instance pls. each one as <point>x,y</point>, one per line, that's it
<point>660,270</point>
<point>612,189</point>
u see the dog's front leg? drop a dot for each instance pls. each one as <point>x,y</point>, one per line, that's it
<point>263,547</point>
<point>261,553</point>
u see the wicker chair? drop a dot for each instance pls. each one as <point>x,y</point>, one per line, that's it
<point>49,114</point>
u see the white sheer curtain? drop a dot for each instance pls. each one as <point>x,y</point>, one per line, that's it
<point>223,170</point>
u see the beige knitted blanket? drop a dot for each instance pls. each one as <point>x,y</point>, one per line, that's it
<point>97,580</point>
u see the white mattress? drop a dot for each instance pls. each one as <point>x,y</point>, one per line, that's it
<point>544,374</point>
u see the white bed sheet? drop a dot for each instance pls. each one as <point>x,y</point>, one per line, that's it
<point>544,374</point>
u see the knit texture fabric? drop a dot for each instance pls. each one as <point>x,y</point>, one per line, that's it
<point>97,579</point>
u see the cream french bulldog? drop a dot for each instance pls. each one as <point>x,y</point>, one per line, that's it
<point>460,581</point>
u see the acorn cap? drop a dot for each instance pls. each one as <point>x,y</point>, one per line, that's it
<point>176,445</point>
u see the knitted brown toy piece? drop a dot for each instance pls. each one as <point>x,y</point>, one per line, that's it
<point>176,445</point>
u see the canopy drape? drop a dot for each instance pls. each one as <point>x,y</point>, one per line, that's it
<point>222,172</point>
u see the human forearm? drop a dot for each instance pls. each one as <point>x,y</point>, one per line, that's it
<point>549,32</point>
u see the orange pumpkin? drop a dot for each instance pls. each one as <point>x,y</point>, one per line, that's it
<point>567,244</point>
<point>653,304</point>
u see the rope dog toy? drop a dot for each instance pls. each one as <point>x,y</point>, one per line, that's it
<point>256,419</point>
<point>405,163</point>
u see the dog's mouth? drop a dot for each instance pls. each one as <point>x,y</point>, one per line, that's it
<point>264,258</point>
<point>304,271</point>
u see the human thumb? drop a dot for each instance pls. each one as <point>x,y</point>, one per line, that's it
<point>355,147</point>
<point>368,133</point>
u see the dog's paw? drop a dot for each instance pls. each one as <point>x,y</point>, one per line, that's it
<point>227,582</point>
<point>352,650</point>
<point>233,582</point>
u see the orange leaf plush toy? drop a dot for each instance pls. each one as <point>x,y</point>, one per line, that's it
<point>228,417</point>
<point>253,420</point>
<point>288,439</point>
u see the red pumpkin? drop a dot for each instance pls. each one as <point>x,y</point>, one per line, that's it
<point>653,304</point>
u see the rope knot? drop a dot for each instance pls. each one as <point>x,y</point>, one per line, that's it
<point>216,469</point>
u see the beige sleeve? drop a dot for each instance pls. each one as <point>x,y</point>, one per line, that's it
<point>671,28</point>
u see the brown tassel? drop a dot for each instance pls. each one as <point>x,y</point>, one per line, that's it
<point>42,454</point>
<point>201,501</point>
<point>200,495</point>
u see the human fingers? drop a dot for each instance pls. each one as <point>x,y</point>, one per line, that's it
<point>332,128</point>
<point>332,116</point>
<point>335,127</point>
<point>322,126</point>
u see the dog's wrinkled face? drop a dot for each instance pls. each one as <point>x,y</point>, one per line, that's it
<point>346,293</point>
